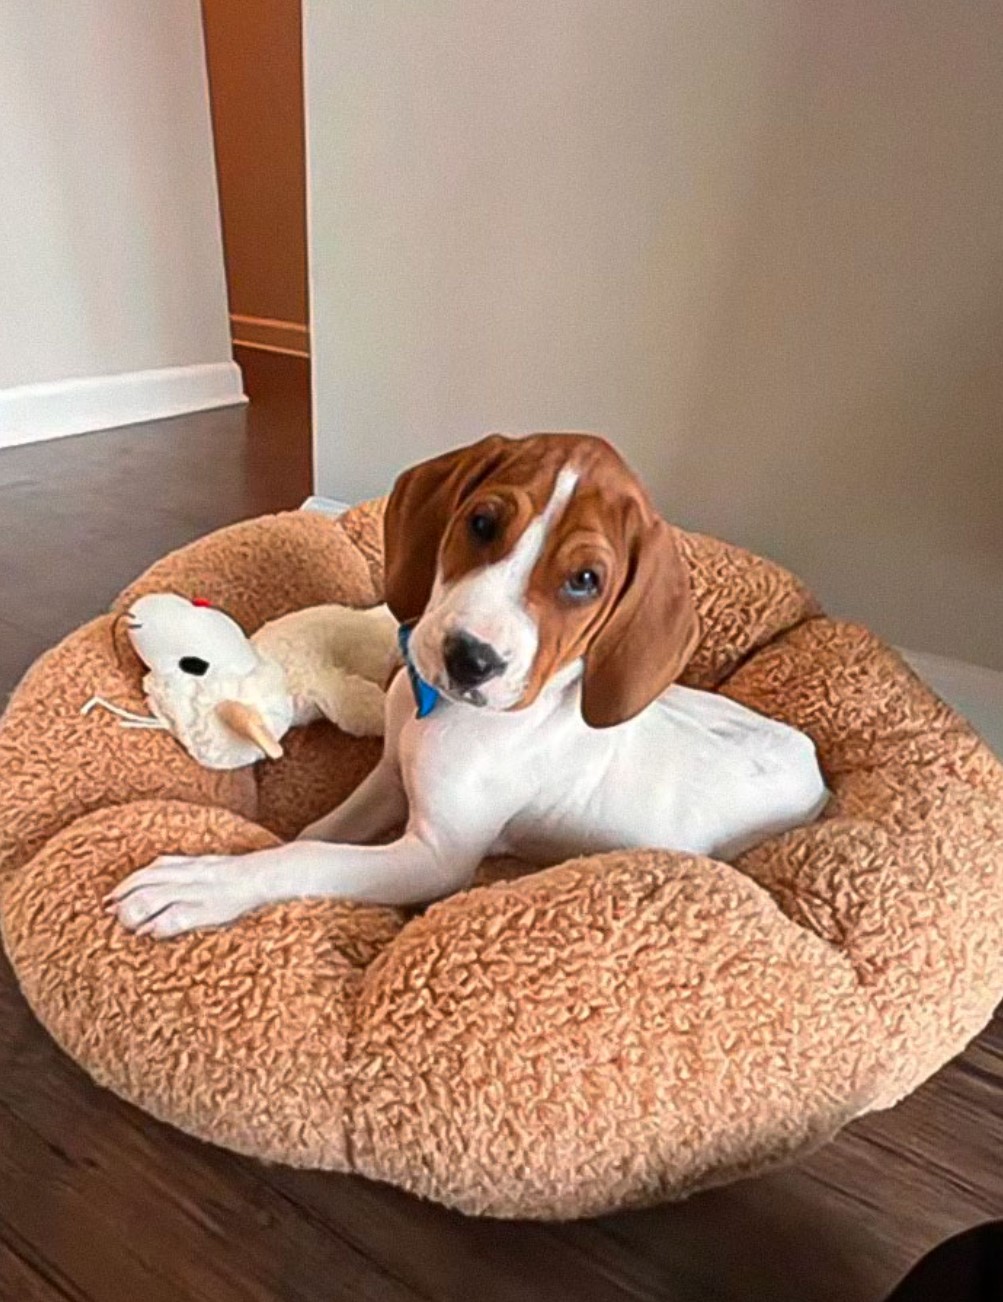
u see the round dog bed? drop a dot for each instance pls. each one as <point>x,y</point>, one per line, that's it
<point>610,1032</point>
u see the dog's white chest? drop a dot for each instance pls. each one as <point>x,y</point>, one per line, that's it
<point>694,772</point>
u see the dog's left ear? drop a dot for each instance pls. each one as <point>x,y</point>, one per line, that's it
<point>421,504</point>
<point>648,636</point>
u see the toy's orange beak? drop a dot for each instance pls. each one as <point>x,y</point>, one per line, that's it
<point>246,722</point>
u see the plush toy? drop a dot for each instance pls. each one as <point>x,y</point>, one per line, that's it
<point>229,698</point>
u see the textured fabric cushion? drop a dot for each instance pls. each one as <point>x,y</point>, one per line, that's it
<point>613,1031</point>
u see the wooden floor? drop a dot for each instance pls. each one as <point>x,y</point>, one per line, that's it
<point>100,1203</point>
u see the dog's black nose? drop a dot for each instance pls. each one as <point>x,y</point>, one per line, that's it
<point>469,661</point>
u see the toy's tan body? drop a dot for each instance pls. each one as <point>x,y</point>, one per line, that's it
<point>336,662</point>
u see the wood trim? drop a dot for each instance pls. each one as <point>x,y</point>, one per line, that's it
<point>271,335</point>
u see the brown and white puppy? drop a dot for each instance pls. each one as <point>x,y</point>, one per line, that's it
<point>552,611</point>
<point>525,555</point>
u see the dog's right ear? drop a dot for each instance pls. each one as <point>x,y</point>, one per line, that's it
<point>422,502</point>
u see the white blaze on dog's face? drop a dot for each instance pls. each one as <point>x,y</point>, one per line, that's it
<point>516,557</point>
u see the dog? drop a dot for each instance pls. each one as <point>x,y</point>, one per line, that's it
<point>550,610</point>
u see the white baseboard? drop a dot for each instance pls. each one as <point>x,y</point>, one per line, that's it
<point>34,412</point>
<point>290,337</point>
<point>974,691</point>
<point>325,505</point>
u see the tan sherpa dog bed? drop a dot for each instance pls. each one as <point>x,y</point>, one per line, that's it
<point>610,1032</point>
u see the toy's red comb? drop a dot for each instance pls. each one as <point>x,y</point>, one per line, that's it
<point>201,601</point>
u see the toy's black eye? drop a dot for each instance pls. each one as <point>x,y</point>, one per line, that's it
<point>582,585</point>
<point>193,665</point>
<point>483,526</point>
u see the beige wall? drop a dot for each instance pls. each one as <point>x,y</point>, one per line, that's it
<point>254,50</point>
<point>110,253</point>
<point>758,245</point>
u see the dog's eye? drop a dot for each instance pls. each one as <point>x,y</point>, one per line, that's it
<point>193,665</point>
<point>483,526</point>
<point>582,585</point>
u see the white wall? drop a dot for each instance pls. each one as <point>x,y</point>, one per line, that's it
<point>758,245</point>
<point>110,254</point>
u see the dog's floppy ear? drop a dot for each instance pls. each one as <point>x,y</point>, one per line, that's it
<point>648,635</point>
<point>421,504</point>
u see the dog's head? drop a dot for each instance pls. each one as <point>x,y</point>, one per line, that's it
<point>518,557</point>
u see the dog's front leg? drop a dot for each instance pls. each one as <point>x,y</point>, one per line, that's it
<point>177,894</point>
<point>376,806</point>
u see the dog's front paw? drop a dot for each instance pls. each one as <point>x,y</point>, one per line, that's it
<point>176,894</point>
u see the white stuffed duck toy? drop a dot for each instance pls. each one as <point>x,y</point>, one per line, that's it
<point>229,699</point>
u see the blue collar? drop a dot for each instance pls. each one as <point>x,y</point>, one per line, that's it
<point>425,695</point>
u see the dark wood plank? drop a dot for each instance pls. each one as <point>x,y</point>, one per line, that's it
<point>21,1280</point>
<point>122,1207</point>
<point>18,648</point>
<point>99,1202</point>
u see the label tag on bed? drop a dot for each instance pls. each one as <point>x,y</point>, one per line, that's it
<point>425,695</point>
